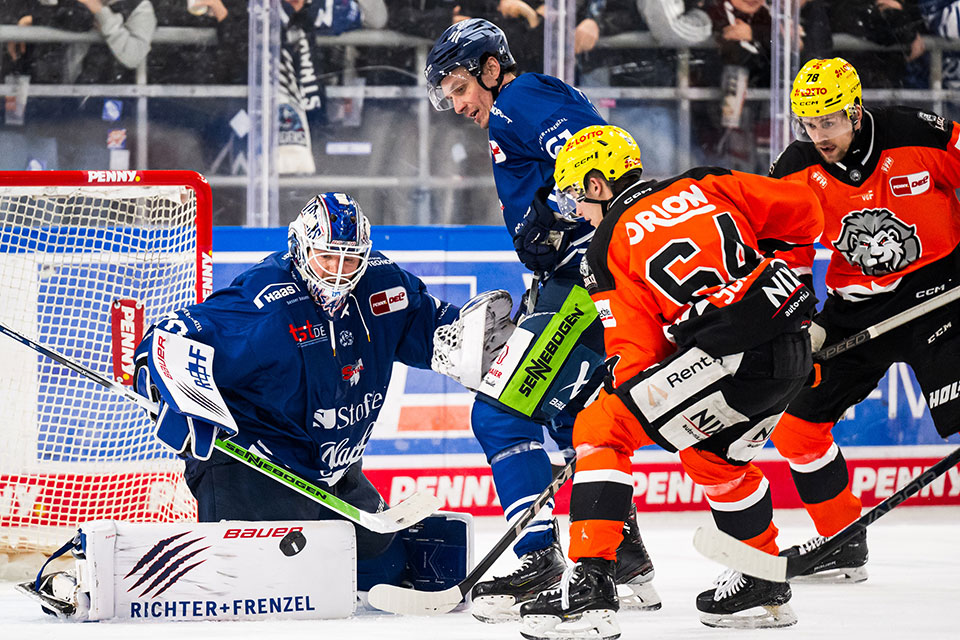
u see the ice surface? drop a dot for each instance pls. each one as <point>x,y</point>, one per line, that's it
<point>913,592</point>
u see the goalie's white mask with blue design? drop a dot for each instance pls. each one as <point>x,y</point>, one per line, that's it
<point>330,246</point>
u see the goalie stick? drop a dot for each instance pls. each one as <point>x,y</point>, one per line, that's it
<point>403,515</point>
<point>427,603</point>
<point>729,551</point>
<point>892,322</point>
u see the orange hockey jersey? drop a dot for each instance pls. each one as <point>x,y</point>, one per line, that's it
<point>889,206</point>
<point>664,245</point>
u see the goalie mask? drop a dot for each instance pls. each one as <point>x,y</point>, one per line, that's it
<point>330,245</point>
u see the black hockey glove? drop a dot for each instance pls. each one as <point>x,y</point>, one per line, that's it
<point>541,238</point>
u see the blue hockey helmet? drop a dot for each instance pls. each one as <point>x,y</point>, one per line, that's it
<point>330,244</point>
<point>464,44</point>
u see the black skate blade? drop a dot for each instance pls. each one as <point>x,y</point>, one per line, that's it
<point>50,605</point>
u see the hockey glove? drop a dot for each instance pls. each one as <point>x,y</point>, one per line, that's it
<point>191,412</point>
<point>465,348</point>
<point>540,238</point>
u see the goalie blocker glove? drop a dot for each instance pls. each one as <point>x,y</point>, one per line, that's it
<point>177,373</point>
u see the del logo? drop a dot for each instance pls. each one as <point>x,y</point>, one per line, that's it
<point>910,185</point>
<point>606,314</point>
<point>389,301</point>
<point>126,320</point>
<point>497,153</point>
<point>351,372</point>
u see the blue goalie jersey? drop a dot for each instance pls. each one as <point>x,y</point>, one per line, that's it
<point>306,391</point>
<point>532,118</point>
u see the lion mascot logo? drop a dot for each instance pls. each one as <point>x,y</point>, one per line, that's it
<point>877,242</point>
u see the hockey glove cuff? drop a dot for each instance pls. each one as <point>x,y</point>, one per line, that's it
<point>187,436</point>
<point>540,237</point>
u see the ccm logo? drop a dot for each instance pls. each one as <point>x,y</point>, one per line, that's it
<point>389,301</point>
<point>910,185</point>
<point>269,532</point>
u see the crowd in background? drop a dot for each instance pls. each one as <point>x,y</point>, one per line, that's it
<point>729,43</point>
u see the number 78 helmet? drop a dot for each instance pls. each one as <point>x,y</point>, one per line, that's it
<point>330,244</point>
<point>824,87</point>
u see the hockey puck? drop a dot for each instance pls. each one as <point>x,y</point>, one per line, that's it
<point>293,543</point>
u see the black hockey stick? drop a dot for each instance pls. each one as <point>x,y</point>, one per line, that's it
<point>403,515</point>
<point>886,325</point>
<point>735,554</point>
<point>424,603</point>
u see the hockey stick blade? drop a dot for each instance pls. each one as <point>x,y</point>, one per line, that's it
<point>428,603</point>
<point>728,551</point>
<point>735,554</point>
<point>889,324</point>
<point>410,602</point>
<point>407,513</point>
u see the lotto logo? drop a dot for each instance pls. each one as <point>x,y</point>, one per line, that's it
<point>910,185</point>
<point>389,301</point>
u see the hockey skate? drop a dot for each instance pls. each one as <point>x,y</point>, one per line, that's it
<point>846,564</point>
<point>634,572</point>
<point>496,600</point>
<point>743,602</point>
<point>584,606</point>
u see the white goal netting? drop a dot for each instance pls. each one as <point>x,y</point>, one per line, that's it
<point>84,270</point>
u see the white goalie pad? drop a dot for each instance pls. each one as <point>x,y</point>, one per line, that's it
<point>228,570</point>
<point>465,348</point>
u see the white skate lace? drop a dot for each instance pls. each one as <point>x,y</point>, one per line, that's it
<point>729,583</point>
<point>565,585</point>
<point>811,544</point>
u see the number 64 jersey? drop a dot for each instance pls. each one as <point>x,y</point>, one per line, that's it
<point>666,249</point>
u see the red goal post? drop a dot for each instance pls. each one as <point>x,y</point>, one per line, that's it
<point>88,260</point>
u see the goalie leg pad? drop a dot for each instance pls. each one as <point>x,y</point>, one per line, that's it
<point>229,570</point>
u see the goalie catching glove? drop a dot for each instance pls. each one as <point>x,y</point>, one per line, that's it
<point>465,348</point>
<point>177,373</point>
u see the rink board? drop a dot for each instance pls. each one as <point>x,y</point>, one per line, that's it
<point>423,439</point>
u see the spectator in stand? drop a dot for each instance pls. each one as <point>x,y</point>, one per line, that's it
<point>732,133</point>
<point>815,29</point>
<point>942,18</point>
<point>883,22</point>
<point>672,24</point>
<point>226,63</point>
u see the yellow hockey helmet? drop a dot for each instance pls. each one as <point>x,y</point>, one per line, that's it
<point>826,86</point>
<point>608,149</point>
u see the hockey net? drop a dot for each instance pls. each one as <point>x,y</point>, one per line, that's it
<point>88,260</point>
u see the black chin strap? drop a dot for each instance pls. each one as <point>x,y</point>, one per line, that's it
<point>604,204</point>
<point>495,90</point>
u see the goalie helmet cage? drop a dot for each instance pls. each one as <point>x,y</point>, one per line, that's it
<point>88,260</point>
